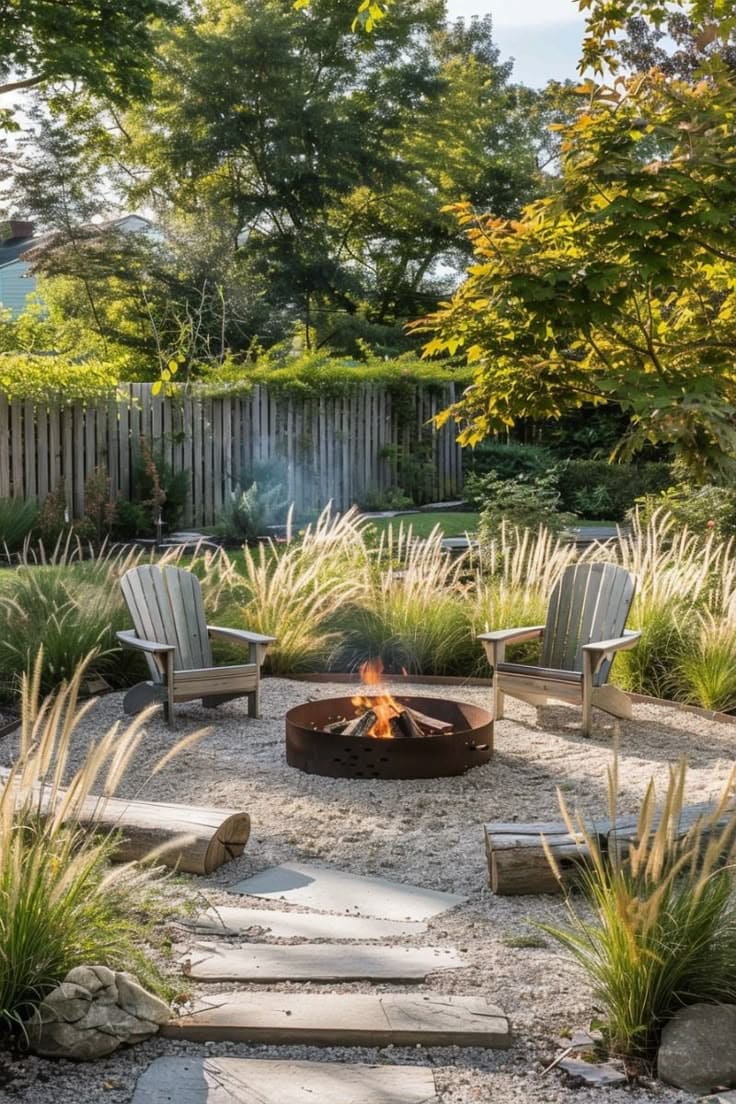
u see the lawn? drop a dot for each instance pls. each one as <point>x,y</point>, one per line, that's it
<point>453,523</point>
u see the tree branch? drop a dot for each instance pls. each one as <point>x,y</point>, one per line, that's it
<point>27,82</point>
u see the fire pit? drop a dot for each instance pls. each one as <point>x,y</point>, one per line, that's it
<point>381,736</point>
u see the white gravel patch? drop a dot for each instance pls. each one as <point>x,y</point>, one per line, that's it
<point>425,832</point>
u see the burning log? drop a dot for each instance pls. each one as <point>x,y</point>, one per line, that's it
<point>404,724</point>
<point>360,726</point>
<point>430,724</point>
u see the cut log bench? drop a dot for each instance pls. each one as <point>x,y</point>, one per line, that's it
<point>518,864</point>
<point>197,839</point>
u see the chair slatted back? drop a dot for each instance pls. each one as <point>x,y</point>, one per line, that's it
<point>590,602</point>
<point>167,607</point>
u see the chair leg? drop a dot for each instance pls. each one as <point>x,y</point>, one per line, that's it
<point>170,706</point>
<point>495,654</point>
<point>254,703</point>
<point>587,725</point>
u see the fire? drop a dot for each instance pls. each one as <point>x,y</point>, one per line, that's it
<point>382,704</point>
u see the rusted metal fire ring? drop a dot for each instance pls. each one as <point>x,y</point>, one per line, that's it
<point>311,749</point>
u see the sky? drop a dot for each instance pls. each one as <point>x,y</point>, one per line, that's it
<point>543,36</point>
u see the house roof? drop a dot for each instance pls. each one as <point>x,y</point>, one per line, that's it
<point>12,249</point>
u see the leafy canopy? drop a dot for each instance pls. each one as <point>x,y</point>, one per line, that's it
<point>620,286</point>
<point>102,44</point>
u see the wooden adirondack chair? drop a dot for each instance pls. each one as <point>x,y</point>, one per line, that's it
<point>171,630</point>
<point>584,631</point>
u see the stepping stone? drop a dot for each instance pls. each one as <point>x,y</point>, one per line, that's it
<point>257,1081</point>
<point>329,890</point>
<point>301,925</point>
<point>263,962</point>
<point>344,1019</point>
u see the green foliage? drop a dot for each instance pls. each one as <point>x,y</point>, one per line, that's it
<point>251,511</point>
<point>325,211</point>
<point>105,48</point>
<point>27,376</point>
<point>521,502</point>
<point>619,285</point>
<point>706,672</point>
<point>705,511</point>
<point>18,519</point>
<point>72,609</point>
<point>663,931</point>
<point>596,488</point>
<point>386,498</point>
<point>311,375</point>
<point>508,459</point>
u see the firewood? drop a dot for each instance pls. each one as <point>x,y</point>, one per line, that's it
<point>337,726</point>
<point>359,726</point>
<point>432,724</point>
<point>404,724</point>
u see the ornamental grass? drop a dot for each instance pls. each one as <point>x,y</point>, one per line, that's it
<point>61,903</point>
<point>663,928</point>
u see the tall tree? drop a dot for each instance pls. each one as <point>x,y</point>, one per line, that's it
<point>621,285</point>
<point>326,156</point>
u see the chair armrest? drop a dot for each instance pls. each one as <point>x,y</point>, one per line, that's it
<point>511,636</point>
<point>129,640</point>
<point>239,636</point>
<point>617,644</point>
<point>599,650</point>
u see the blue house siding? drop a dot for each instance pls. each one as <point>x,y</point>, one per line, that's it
<point>15,286</point>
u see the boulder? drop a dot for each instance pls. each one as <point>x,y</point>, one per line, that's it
<point>93,1012</point>
<point>698,1048</point>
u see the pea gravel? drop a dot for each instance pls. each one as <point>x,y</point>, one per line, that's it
<point>426,832</point>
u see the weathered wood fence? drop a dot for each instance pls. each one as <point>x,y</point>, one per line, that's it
<point>335,447</point>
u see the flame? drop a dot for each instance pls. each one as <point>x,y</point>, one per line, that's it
<point>382,704</point>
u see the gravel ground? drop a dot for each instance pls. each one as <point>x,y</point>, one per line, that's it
<point>425,832</point>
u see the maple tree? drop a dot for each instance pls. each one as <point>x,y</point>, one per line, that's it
<point>620,286</point>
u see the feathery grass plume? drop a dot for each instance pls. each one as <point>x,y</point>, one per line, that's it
<point>295,591</point>
<point>663,931</point>
<point>61,904</point>
<point>525,557</point>
<point>413,611</point>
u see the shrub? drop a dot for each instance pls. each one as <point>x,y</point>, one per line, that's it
<point>18,519</point>
<point>508,460</point>
<point>518,502</point>
<point>705,511</point>
<point>60,904</point>
<point>663,932</point>
<point>596,488</point>
<point>386,498</point>
<point>250,512</point>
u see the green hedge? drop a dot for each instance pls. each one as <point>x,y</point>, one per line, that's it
<point>595,488</point>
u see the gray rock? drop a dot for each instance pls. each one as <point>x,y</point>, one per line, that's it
<point>136,1000</point>
<point>597,1076</point>
<point>698,1048</point>
<point>92,1013</point>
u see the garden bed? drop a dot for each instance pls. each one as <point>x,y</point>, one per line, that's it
<point>424,832</point>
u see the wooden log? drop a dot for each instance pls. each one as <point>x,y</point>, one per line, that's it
<point>405,725</point>
<point>431,724</point>
<point>201,838</point>
<point>359,726</point>
<point>518,864</point>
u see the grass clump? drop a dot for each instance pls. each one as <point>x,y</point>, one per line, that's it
<point>663,932</point>
<point>61,904</point>
<point>18,519</point>
<point>412,612</point>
